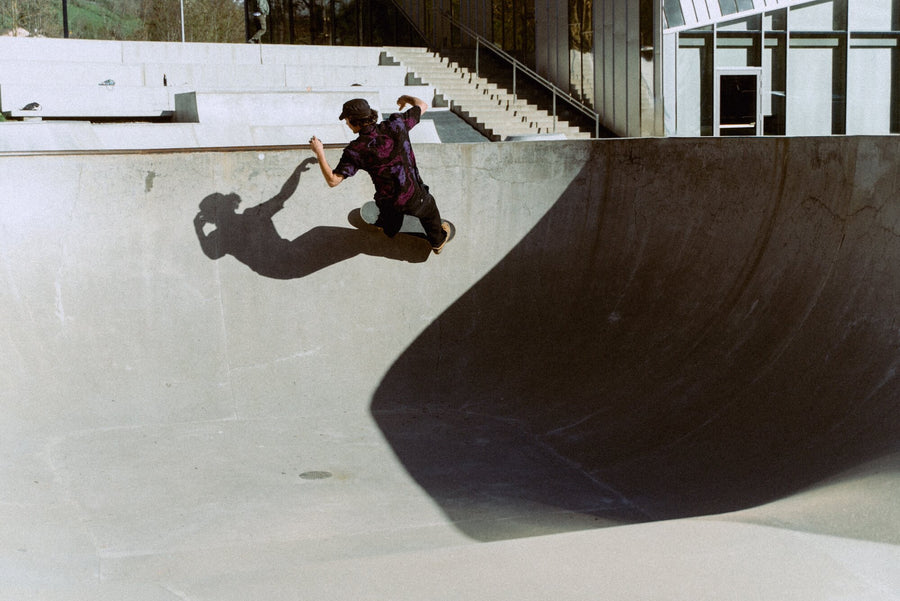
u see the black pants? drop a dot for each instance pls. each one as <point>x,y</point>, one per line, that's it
<point>261,28</point>
<point>425,208</point>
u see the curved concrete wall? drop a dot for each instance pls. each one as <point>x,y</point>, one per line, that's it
<point>693,327</point>
<point>622,331</point>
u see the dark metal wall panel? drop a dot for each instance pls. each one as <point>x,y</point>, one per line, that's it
<point>617,59</point>
<point>551,25</point>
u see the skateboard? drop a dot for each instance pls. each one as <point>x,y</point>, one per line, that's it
<point>411,225</point>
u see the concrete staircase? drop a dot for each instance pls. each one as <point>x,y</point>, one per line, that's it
<point>492,110</point>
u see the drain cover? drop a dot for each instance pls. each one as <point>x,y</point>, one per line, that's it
<point>315,475</point>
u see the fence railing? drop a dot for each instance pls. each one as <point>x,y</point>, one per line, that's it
<point>519,67</point>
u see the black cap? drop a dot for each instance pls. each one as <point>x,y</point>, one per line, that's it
<point>357,108</point>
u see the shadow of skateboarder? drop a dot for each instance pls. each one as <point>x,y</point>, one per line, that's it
<point>252,238</point>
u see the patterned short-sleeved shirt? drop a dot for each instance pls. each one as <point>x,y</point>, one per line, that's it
<point>384,151</point>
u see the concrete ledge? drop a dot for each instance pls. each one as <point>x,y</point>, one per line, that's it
<point>324,56</point>
<point>105,51</point>
<point>90,101</point>
<point>280,108</point>
<point>534,137</point>
<point>71,73</point>
<point>338,76</point>
<point>200,76</point>
<point>60,50</point>
<point>19,136</point>
<point>214,76</point>
<point>176,52</point>
<point>132,52</point>
<point>261,108</point>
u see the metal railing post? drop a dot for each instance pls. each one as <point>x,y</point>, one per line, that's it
<point>514,82</point>
<point>477,47</point>
<point>554,111</point>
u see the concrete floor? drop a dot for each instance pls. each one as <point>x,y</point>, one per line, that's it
<point>644,369</point>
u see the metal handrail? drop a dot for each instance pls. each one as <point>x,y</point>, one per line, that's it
<point>518,66</point>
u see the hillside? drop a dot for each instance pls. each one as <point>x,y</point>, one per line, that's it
<point>205,20</point>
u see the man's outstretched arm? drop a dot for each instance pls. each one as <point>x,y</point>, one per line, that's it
<point>412,101</point>
<point>331,178</point>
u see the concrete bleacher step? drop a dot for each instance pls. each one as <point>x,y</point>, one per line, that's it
<point>199,75</point>
<point>51,136</point>
<point>272,108</point>
<point>144,77</point>
<point>270,76</point>
<point>190,94</point>
<point>85,102</point>
<point>56,50</point>
<point>68,73</point>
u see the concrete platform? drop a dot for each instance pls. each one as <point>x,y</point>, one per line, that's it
<point>643,369</point>
<point>279,108</point>
<point>271,77</point>
<point>69,73</point>
<point>55,136</point>
<point>69,136</point>
<point>56,50</point>
<point>87,101</point>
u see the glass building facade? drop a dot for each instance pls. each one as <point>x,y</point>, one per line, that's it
<point>802,68</point>
<point>661,67</point>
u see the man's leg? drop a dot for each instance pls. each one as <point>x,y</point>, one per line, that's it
<point>261,29</point>
<point>430,217</point>
<point>390,221</point>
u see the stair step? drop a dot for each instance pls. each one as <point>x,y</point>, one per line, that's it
<point>481,101</point>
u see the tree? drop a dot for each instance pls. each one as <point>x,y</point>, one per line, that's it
<point>214,21</point>
<point>162,20</point>
<point>204,20</point>
<point>38,17</point>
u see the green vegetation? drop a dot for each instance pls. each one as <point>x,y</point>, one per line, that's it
<point>158,20</point>
<point>98,21</point>
<point>356,22</point>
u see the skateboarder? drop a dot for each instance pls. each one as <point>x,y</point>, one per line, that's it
<point>384,151</point>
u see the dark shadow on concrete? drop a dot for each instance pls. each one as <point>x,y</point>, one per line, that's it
<point>252,238</point>
<point>659,347</point>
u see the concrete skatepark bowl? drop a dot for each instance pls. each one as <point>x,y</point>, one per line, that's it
<point>643,369</point>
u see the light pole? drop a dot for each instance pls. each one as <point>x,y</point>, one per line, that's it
<point>182,21</point>
<point>65,18</point>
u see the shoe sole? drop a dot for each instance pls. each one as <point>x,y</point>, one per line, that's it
<point>437,249</point>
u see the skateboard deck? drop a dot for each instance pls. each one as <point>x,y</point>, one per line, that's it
<point>411,225</point>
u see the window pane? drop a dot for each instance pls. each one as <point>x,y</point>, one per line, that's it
<point>871,15</point>
<point>728,7</point>
<point>674,16</point>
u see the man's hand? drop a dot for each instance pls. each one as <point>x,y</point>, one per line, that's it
<point>317,147</point>
<point>413,101</point>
